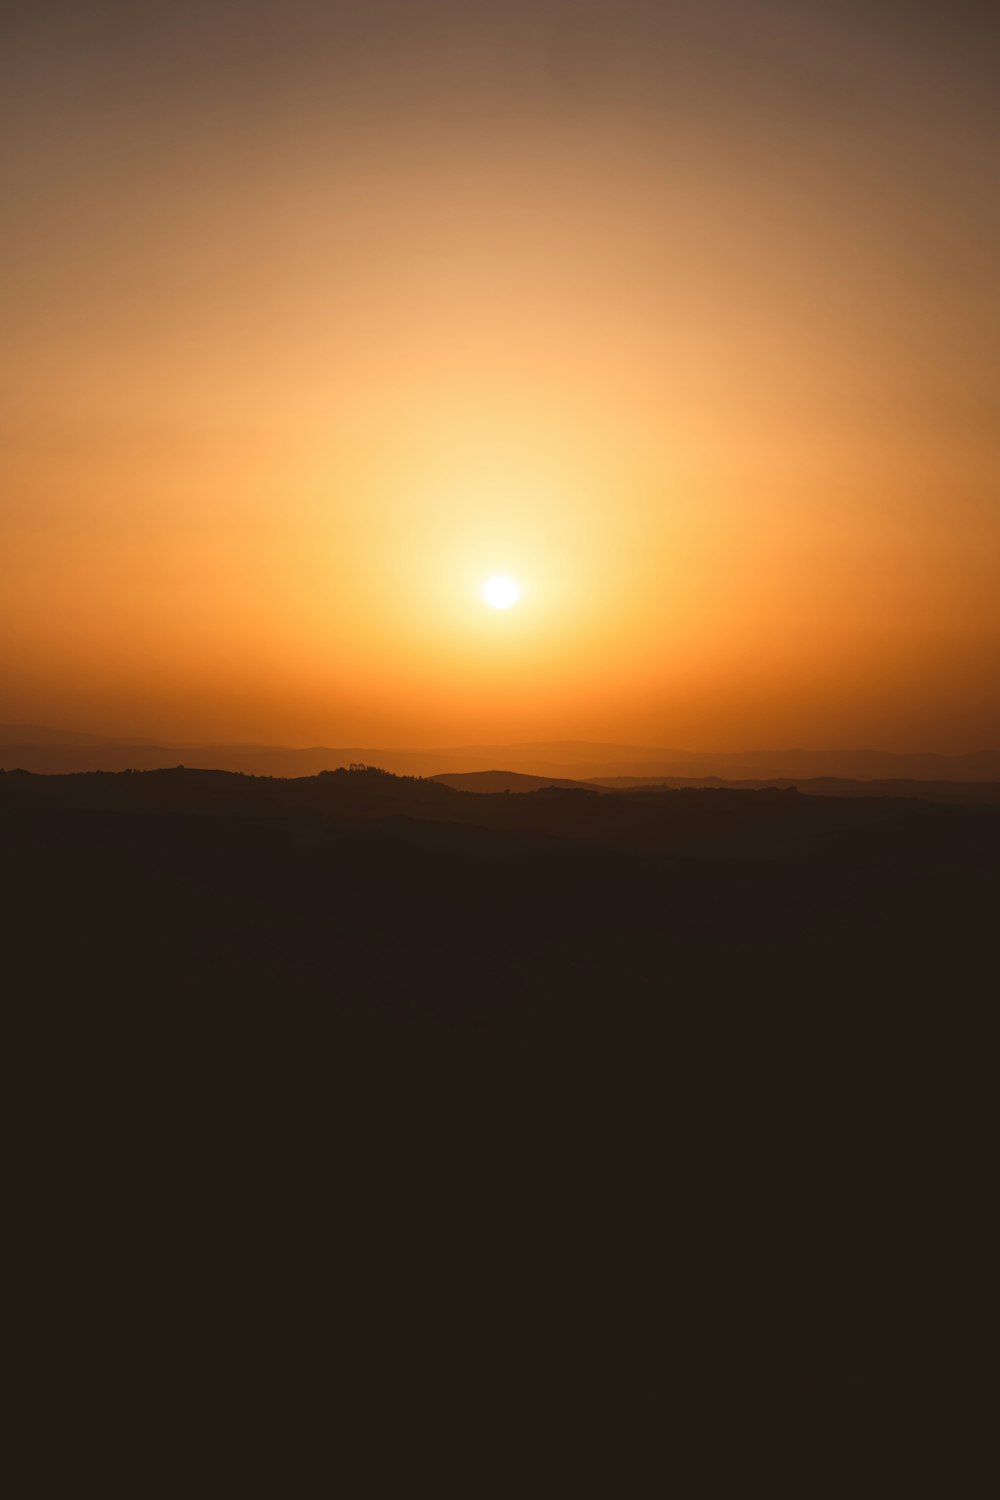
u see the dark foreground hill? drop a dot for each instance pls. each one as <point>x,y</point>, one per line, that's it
<point>508,781</point>
<point>682,1038</point>
<point>375,895</point>
<point>969,792</point>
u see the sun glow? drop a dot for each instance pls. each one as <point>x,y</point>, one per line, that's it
<point>501,592</point>
<point>286,399</point>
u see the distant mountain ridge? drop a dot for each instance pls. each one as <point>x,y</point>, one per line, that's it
<point>56,751</point>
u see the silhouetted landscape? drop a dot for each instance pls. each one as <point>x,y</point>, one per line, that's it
<point>53,751</point>
<point>372,895</point>
<point>500,742</point>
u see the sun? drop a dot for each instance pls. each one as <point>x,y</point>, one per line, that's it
<point>501,592</point>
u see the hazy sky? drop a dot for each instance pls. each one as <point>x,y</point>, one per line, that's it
<point>685,314</point>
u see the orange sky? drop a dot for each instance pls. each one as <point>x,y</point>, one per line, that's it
<point>687,316</point>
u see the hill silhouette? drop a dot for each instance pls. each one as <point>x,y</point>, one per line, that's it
<point>969,792</point>
<point>506,781</point>
<point>54,752</point>
<point>707,985</point>
<point>359,887</point>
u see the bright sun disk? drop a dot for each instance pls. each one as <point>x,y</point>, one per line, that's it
<point>501,592</point>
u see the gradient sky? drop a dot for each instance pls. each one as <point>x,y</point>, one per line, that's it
<point>685,314</point>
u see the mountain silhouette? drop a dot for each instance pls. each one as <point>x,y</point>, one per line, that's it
<point>506,781</point>
<point>56,752</point>
<point>358,883</point>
